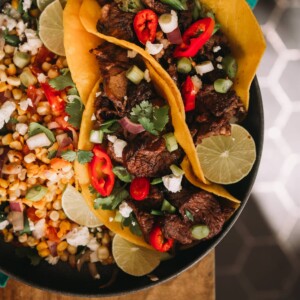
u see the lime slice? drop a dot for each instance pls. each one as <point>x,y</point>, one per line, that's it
<point>76,208</point>
<point>133,259</point>
<point>51,29</point>
<point>227,159</point>
<point>42,4</point>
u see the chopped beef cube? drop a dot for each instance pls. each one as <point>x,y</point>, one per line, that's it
<point>206,210</point>
<point>157,6</point>
<point>147,156</point>
<point>174,227</point>
<point>179,198</point>
<point>116,23</point>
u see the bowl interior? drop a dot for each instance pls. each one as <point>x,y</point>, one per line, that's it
<point>63,279</point>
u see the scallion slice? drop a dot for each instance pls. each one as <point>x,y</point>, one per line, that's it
<point>176,4</point>
<point>135,75</point>
<point>168,207</point>
<point>21,59</point>
<point>122,174</point>
<point>156,181</point>
<point>222,85</point>
<point>230,66</point>
<point>176,170</point>
<point>171,142</point>
<point>36,193</point>
<point>155,212</point>
<point>200,232</point>
<point>184,65</point>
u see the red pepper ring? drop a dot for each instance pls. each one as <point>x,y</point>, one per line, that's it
<point>189,94</point>
<point>54,98</point>
<point>139,188</point>
<point>145,24</point>
<point>158,241</point>
<point>195,37</point>
<point>101,170</point>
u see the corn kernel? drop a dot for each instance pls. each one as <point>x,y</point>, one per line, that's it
<point>14,81</point>
<point>102,252</point>
<point>106,239</point>
<point>14,185</point>
<point>40,213</point>
<point>56,204</point>
<point>7,61</point>
<point>31,181</point>
<point>22,186</point>
<point>62,246</point>
<point>53,72</point>
<point>46,66</point>
<point>60,62</point>
<point>8,237</point>
<point>29,158</point>
<point>72,249</point>
<point>8,49</point>
<point>22,119</point>
<point>42,246</point>
<point>11,70</point>
<point>17,94</point>
<point>7,139</point>
<point>54,215</point>
<point>44,253</point>
<point>62,215</point>
<point>31,241</point>
<point>64,256</point>
<point>3,87</point>
<point>22,238</point>
<point>3,76</point>
<point>3,183</point>
<point>16,145</point>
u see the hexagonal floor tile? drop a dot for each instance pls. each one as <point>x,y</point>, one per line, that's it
<point>291,132</point>
<point>289,79</point>
<point>294,240</point>
<point>288,28</point>
<point>292,184</point>
<point>268,61</point>
<point>267,268</point>
<point>263,10</point>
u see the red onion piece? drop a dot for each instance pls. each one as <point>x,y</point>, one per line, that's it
<point>61,137</point>
<point>52,248</point>
<point>17,220</point>
<point>175,37</point>
<point>130,126</point>
<point>16,206</point>
<point>53,125</point>
<point>75,136</point>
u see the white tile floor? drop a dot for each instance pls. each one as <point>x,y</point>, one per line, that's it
<point>260,259</point>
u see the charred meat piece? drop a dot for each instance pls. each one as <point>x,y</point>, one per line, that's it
<point>174,227</point>
<point>147,156</point>
<point>206,210</point>
<point>111,153</point>
<point>185,18</point>
<point>116,23</point>
<point>179,198</point>
<point>157,6</point>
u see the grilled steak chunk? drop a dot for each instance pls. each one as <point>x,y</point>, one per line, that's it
<point>157,6</point>
<point>174,227</point>
<point>147,156</point>
<point>116,23</point>
<point>205,210</point>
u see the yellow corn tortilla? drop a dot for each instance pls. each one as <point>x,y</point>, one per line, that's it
<point>78,42</point>
<point>246,42</point>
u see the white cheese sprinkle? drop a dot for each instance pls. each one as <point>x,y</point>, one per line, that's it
<point>26,4</point>
<point>111,138</point>
<point>22,128</point>
<point>33,42</point>
<point>78,237</point>
<point>153,49</point>
<point>219,66</point>
<point>6,111</point>
<point>172,183</point>
<point>93,244</point>
<point>52,260</point>
<point>125,210</point>
<point>119,146</point>
<point>42,78</point>
<point>93,118</point>
<point>219,59</point>
<point>216,49</point>
<point>147,75</point>
<point>4,224</point>
<point>98,94</point>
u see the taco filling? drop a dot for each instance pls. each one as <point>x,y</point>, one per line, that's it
<point>185,39</point>
<point>135,167</point>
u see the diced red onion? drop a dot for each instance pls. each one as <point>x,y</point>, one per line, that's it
<point>61,137</point>
<point>75,136</point>
<point>175,37</point>
<point>52,248</point>
<point>53,125</point>
<point>130,126</point>
<point>16,206</point>
<point>17,220</point>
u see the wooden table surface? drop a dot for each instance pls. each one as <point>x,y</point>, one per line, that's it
<point>196,283</point>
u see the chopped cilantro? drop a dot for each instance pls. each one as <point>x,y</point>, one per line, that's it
<point>61,82</point>
<point>52,154</point>
<point>92,190</point>
<point>84,156</point>
<point>189,215</point>
<point>110,126</point>
<point>75,109</point>
<point>69,155</point>
<point>13,121</point>
<point>153,119</point>
<point>133,225</point>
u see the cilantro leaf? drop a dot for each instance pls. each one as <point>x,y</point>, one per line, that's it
<point>84,156</point>
<point>133,225</point>
<point>144,109</point>
<point>92,190</point>
<point>75,109</point>
<point>61,82</point>
<point>119,197</point>
<point>105,202</point>
<point>189,215</point>
<point>161,117</point>
<point>148,125</point>
<point>69,155</point>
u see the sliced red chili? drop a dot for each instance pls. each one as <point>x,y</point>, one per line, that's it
<point>51,233</point>
<point>195,37</point>
<point>101,170</point>
<point>54,98</point>
<point>145,25</point>
<point>30,212</point>
<point>139,188</point>
<point>189,94</point>
<point>158,241</point>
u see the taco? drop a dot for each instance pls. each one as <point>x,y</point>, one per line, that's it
<point>134,182</point>
<point>201,49</point>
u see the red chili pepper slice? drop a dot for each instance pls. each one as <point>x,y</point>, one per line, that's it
<point>101,170</point>
<point>51,233</point>
<point>195,37</point>
<point>30,212</point>
<point>54,98</point>
<point>139,188</point>
<point>145,25</point>
<point>189,94</point>
<point>158,241</point>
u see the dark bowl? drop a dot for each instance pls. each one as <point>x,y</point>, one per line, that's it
<point>63,279</point>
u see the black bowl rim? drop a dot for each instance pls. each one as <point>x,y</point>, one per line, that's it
<point>232,221</point>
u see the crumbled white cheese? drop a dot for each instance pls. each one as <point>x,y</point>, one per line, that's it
<point>20,27</point>
<point>42,78</point>
<point>219,59</point>
<point>98,94</point>
<point>111,138</point>
<point>52,260</point>
<point>25,103</point>
<point>219,66</point>
<point>93,118</point>
<point>6,111</point>
<point>66,118</point>
<point>147,75</point>
<point>39,229</point>
<point>7,22</point>
<point>93,244</point>
<point>78,237</point>
<point>216,49</point>
<point>197,83</point>
<point>3,224</point>
<point>153,49</point>
<point>31,225</point>
<point>33,42</point>
<point>172,183</point>
<point>97,276</point>
<point>22,128</point>
<point>131,53</point>
<point>119,146</point>
<point>125,210</point>
<point>26,4</point>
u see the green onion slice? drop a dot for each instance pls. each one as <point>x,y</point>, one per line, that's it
<point>167,206</point>
<point>171,142</point>
<point>200,232</point>
<point>135,75</point>
<point>222,85</point>
<point>230,66</point>
<point>122,174</point>
<point>184,65</point>
<point>36,193</point>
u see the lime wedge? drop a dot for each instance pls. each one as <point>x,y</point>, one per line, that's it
<point>133,259</point>
<point>51,29</point>
<point>76,208</point>
<point>227,159</point>
<point>42,4</point>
